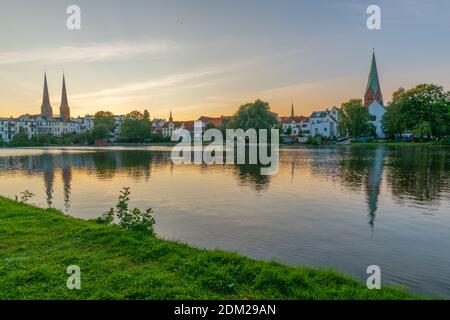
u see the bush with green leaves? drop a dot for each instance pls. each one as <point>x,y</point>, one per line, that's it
<point>134,219</point>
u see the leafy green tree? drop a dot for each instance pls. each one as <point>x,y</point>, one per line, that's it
<point>422,130</point>
<point>424,103</point>
<point>355,119</point>
<point>100,131</point>
<point>20,140</point>
<point>254,115</point>
<point>157,137</point>
<point>288,131</point>
<point>397,94</point>
<point>44,139</point>
<point>136,127</point>
<point>106,118</point>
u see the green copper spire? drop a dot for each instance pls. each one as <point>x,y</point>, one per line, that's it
<point>373,90</point>
<point>374,82</point>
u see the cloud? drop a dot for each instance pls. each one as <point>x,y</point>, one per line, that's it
<point>88,53</point>
<point>145,85</point>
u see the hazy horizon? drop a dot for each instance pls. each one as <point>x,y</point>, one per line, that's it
<point>208,58</point>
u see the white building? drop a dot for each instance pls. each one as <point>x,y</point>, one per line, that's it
<point>169,128</point>
<point>377,111</point>
<point>292,123</point>
<point>325,123</point>
<point>34,125</point>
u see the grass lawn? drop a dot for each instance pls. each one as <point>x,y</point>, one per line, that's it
<point>37,246</point>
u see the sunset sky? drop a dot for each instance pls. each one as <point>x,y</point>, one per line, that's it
<point>207,57</point>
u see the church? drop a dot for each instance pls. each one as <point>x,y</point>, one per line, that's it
<point>45,122</point>
<point>373,99</point>
<point>46,108</point>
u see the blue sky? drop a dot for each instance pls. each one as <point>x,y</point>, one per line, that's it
<point>202,57</point>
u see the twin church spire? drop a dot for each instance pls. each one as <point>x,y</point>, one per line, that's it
<point>46,108</point>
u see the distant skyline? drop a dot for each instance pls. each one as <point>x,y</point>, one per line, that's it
<point>201,57</point>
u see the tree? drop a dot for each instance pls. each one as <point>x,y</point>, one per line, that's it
<point>397,94</point>
<point>210,125</point>
<point>106,118</point>
<point>100,131</point>
<point>422,130</point>
<point>255,115</point>
<point>425,103</point>
<point>355,119</point>
<point>43,139</point>
<point>136,127</point>
<point>288,131</point>
<point>20,140</point>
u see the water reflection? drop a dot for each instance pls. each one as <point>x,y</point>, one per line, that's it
<point>418,174</point>
<point>422,174</point>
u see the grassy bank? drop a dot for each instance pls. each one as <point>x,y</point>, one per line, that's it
<point>37,246</point>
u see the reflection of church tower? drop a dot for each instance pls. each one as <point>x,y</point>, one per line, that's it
<point>64,110</point>
<point>46,108</point>
<point>373,185</point>
<point>49,178</point>
<point>373,90</point>
<point>67,179</point>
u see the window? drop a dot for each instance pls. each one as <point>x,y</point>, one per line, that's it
<point>373,118</point>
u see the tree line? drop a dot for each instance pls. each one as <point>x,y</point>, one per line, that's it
<point>422,111</point>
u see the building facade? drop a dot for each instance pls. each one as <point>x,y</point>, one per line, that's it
<point>325,123</point>
<point>45,122</point>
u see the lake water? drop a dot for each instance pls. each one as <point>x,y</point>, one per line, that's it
<point>345,208</point>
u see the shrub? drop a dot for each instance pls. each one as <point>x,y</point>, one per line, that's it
<point>445,140</point>
<point>134,220</point>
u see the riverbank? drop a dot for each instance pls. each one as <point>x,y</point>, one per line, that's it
<point>37,245</point>
<point>371,144</point>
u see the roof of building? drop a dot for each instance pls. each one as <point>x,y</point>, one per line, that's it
<point>289,120</point>
<point>215,121</point>
<point>189,125</point>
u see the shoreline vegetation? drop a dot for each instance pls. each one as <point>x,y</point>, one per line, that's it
<point>290,145</point>
<point>38,245</point>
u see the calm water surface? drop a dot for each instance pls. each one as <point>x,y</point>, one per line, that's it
<point>345,208</point>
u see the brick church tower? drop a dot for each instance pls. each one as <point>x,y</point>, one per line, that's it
<point>64,110</point>
<point>46,108</point>
<point>373,91</point>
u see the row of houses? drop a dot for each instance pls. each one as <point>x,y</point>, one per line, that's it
<point>33,125</point>
<point>323,123</point>
<point>326,123</point>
